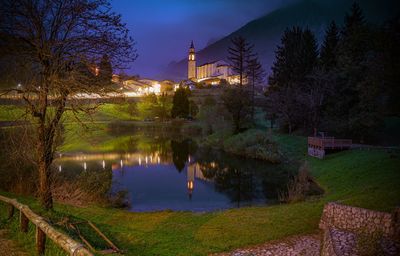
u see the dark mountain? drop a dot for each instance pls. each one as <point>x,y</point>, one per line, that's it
<point>265,32</point>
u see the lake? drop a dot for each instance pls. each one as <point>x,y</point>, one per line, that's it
<point>163,172</point>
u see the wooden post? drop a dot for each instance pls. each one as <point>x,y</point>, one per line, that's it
<point>23,221</point>
<point>10,211</point>
<point>40,241</point>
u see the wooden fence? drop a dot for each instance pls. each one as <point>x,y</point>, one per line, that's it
<point>43,230</point>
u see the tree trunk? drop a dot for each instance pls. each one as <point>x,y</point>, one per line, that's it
<point>45,155</point>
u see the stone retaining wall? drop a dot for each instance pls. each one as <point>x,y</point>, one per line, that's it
<point>338,223</point>
<point>358,220</point>
<point>327,248</point>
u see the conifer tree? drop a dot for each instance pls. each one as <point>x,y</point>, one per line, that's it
<point>328,52</point>
<point>180,103</point>
<point>255,75</point>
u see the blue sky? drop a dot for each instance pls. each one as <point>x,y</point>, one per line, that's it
<point>163,29</point>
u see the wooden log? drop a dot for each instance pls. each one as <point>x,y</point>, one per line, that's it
<point>10,211</point>
<point>103,236</point>
<point>40,241</point>
<point>81,237</point>
<point>23,222</point>
<point>65,242</point>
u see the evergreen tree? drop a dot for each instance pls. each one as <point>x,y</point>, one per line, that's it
<point>355,49</point>
<point>328,52</point>
<point>255,75</point>
<point>307,56</point>
<point>180,103</point>
<point>239,53</point>
<point>296,58</point>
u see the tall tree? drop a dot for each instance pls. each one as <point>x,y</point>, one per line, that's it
<point>240,51</point>
<point>255,76</point>
<point>48,47</point>
<point>296,58</point>
<point>180,103</point>
<point>354,51</point>
<point>328,52</point>
<point>237,102</point>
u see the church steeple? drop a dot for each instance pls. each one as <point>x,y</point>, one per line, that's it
<point>192,63</point>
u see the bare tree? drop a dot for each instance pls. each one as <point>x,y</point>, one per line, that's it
<point>239,53</point>
<point>50,49</point>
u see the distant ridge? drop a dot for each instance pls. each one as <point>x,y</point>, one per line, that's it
<point>265,32</point>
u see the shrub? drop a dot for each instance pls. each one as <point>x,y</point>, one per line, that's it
<point>253,144</point>
<point>300,186</point>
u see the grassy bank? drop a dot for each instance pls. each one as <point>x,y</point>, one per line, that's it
<point>365,178</point>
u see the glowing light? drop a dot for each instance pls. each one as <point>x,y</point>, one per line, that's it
<point>104,164</point>
<point>158,160</point>
<point>84,166</point>
<point>190,185</point>
<point>140,161</point>
<point>151,159</point>
<point>19,85</point>
<point>59,168</point>
<point>146,160</point>
<point>121,163</point>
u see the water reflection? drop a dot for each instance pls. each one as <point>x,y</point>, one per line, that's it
<point>177,175</point>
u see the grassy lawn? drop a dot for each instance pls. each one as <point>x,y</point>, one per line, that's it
<point>365,178</point>
<point>362,178</point>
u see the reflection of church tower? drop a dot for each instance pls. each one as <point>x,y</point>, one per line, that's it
<point>192,63</point>
<point>190,179</point>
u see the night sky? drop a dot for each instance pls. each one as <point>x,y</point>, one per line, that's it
<point>163,29</point>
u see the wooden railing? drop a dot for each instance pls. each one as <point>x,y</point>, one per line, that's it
<point>328,142</point>
<point>43,229</point>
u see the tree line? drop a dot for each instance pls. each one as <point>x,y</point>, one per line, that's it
<point>346,86</point>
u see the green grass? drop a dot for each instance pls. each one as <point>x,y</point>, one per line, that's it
<point>11,113</point>
<point>361,178</point>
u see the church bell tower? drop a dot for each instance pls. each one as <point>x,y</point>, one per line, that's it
<point>192,63</point>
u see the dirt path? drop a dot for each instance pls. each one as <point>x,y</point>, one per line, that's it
<point>298,245</point>
<point>9,247</point>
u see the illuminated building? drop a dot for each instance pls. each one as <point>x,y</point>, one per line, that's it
<point>211,72</point>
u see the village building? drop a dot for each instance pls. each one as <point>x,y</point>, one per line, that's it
<point>210,73</point>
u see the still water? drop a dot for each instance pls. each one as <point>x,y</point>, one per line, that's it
<point>160,173</point>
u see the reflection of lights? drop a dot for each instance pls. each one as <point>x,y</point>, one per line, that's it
<point>158,159</point>
<point>84,166</point>
<point>189,159</point>
<point>190,185</point>
<point>121,163</point>
<point>104,164</point>
<point>151,159</point>
<point>146,159</point>
<point>59,168</point>
<point>140,160</point>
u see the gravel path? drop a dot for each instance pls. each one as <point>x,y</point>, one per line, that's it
<point>298,245</point>
<point>9,247</point>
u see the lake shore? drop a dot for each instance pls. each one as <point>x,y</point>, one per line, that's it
<point>364,178</point>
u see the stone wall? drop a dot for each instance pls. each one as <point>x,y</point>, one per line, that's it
<point>357,219</point>
<point>341,224</point>
<point>327,242</point>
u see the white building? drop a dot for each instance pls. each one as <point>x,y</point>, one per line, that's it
<point>210,73</point>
